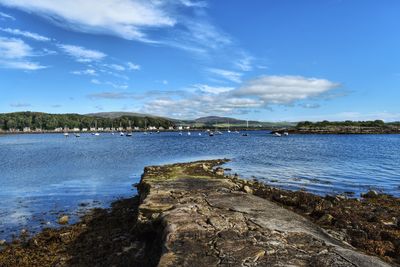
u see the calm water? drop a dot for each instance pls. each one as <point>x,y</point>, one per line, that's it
<point>42,175</point>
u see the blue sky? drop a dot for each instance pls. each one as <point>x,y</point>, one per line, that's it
<point>261,59</point>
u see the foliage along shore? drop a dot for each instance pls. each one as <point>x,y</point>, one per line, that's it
<point>118,237</point>
<point>38,122</point>
<point>344,127</point>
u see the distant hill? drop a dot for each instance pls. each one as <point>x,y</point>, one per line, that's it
<point>117,114</point>
<point>223,122</point>
<point>216,119</point>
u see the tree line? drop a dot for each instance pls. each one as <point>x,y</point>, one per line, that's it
<point>46,121</point>
<point>322,124</point>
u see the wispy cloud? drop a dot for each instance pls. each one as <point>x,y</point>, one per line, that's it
<point>182,24</point>
<point>115,67</point>
<point>112,84</point>
<point>15,53</point>
<point>123,18</point>
<point>232,76</point>
<point>82,54</point>
<point>90,72</point>
<point>6,16</point>
<point>309,105</point>
<point>110,95</point>
<point>20,105</point>
<point>244,63</point>
<point>133,66</point>
<point>212,89</point>
<point>26,34</point>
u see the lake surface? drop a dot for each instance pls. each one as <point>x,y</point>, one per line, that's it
<point>43,176</point>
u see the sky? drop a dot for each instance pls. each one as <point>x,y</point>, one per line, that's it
<point>268,60</point>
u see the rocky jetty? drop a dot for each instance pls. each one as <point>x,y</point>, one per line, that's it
<point>214,220</point>
<point>192,214</point>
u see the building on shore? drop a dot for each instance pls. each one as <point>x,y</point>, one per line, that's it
<point>26,129</point>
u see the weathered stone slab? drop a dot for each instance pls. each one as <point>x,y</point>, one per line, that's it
<point>209,221</point>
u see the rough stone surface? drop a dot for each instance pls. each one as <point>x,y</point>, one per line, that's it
<point>209,221</point>
<point>63,219</point>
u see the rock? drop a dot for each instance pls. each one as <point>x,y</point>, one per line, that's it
<point>205,167</point>
<point>326,219</point>
<point>63,220</point>
<point>370,194</point>
<point>219,171</point>
<point>3,242</point>
<point>247,189</point>
<point>259,255</point>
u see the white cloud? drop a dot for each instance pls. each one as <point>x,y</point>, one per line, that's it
<point>309,105</point>
<point>82,54</point>
<point>115,67</point>
<point>117,86</point>
<point>190,3</point>
<point>20,105</point>
<point>232,76</point>
<point>26,34</point>
<point>110,95</point>
<point>123,18</point>
<point>133,66</point>
<point>261,92</point>
<point>11,48</point>
<point>22,65</point>
<point>284,89</point>
<point>14,54</point>
<point>6,16</point>
<point>95,81</point>
<point>212,89</point>
<point>112,84</point>
<point>134,20</point>
<point>244,63</point>
<point>90,72</point>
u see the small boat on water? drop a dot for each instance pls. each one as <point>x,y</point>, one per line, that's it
<point>218,132</point>
<point>199,133</point>
<point>237,132</point>
<point>77,135</point>
<point>66,134</point>
<point>121,134</point>
<point>96,134</point>
<point>188,133</point>
<point>128,134</point>
<point>247,127</point>
<point>210,134</point>
<point>286,134</point>
<point>276,134</point>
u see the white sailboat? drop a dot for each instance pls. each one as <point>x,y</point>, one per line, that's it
<point>229,130</point>
<point>129,134</point>
<point>247,127</point>
<point>145,127</point>
<point>96,133</point>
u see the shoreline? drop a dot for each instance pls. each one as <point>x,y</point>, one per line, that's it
<point>370,223</point>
